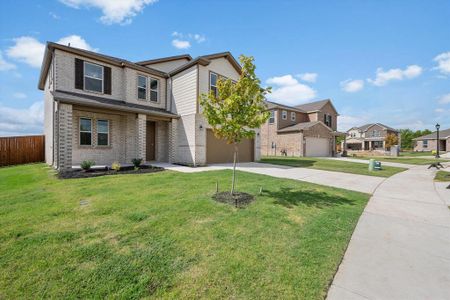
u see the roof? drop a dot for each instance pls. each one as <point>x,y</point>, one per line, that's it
<point>272,105</point>
<point>205,60</point>
<point>164,59</point>
<point>367,126</point>
<point>315,106</point>
<point>443,134</point>
<point>101,102</point>
<point>93,55</point>
<point>301,126</point>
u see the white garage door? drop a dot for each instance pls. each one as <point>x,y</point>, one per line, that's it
<point>317,147</point>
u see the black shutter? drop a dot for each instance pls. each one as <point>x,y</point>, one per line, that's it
<point>79,73</point>
<point>107,80</point>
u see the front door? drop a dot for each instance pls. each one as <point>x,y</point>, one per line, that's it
<point>150,152</point>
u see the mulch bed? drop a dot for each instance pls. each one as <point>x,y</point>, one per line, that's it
<point>78,173</point>
<point>238,199</point>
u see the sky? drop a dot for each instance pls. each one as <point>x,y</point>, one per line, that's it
<point>379,61</point>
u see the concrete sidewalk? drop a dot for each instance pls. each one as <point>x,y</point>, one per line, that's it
<point>364,161</point>
<point>401,246</point>
<point>354,182</point>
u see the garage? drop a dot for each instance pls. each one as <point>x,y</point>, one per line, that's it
<point>218,151</point>
<point>317,146</point>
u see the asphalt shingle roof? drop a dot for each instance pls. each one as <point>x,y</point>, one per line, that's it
<point>443,134</point>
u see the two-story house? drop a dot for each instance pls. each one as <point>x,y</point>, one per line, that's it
<point>368,137</point>
<point>305,130</point>
<point>108,109</point>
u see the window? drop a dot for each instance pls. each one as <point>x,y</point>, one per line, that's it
<point>284,115</point>
<point>327,119</point>
<point>154,89</point>
<point>85,131</point>
<point>292,116</point>
<point>272,117</point>
<point>142,87</point>
<point>213,83</point>
<point>93,77</point>
<point>102,132</point>
<point>375,133</point>
<point>425,143</point>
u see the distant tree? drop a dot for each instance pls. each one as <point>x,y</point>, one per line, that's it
<point>391,140</point>
<point>407,136</point>
<point>237,108</point>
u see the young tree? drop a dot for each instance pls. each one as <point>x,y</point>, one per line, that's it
<point>391,140</point>
<point>237,108</point>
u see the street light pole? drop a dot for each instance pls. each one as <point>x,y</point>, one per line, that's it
<point>437,140</point>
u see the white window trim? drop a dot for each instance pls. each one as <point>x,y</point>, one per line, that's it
<point>146,88</point>
<point>210,81</point>
<point>80,131</point>
<point>96,123</point>
<point>152,90</point>
<point>284,114</point>
<point>84,77</point>
<point>293,116</point>
<point>272,117</point>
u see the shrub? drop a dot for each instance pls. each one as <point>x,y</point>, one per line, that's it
<point>115,166</point>
<point>136,162</point>
<point>434,152</point>
<point>87,164</point>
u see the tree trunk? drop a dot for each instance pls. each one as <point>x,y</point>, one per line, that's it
<point>233,180</point>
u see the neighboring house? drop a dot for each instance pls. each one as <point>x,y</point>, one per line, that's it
<point>429,142</point>
<point>303,130</point>
<point>368,137</point>
<point>107,109</point>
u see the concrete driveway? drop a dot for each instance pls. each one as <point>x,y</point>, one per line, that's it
<point>400,248</point>
<point>360,183</point>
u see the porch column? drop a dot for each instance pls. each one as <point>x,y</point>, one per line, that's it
<point>141,131</point>
<point>64,136</point>
<point>172,140</point>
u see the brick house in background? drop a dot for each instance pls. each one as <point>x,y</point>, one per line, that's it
<point>305,130</point>
<point>368,137</point>
<point>107,109</point>
<point>429,142</point>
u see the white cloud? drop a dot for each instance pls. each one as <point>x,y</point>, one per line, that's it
<point>345,122</point>
<point>183,40</point>
<point>30,51</point>
<point>16,121</point>
<point>4,65</point>
<point>180,44</point>
<point>444,99</point>
<point>289,91</point>
<point>54,16</point>
<point>19,95</point>
<point>351,86</point>
<point>439,110</point>
<point>114,11</point>
<point>308,77</point>
<point>443,61</point>
<point>383,77</point>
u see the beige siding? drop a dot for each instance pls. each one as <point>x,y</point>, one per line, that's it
<point>131,78</point>
<point>221,66</point>
<point>184,92</point>
<point>49,113</point>
<point>168,66</point>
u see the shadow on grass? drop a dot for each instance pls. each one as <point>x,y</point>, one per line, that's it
<point>289,197</point>
<point>301,163</point>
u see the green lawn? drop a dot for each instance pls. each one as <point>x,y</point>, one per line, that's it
<point>442,176</point>
<point>331,165</point>
<point>415,153</point>
<point>404,160</point>
<point>161,236</point>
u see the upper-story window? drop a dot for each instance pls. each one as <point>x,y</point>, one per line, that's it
<point>293,115</point>
<point>213,77</point>
<point>93,77</point>
<point>142,87</point>
<point>272,117</point>
<point>375,133</point>
<point>284,115</point>
<point>327,119</point>
<point>85,131</point>
<point>154,86</point>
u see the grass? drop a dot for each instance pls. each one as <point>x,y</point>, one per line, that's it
<point>442,176</point>
<point>415,153</point>
<point>331,165</point>
<point>161,235</point>
<point>403,160</point>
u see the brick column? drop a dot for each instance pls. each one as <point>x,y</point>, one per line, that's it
<point>257,146</point>
<point>172,140</point>
<point>141,132</point>
<point>65,136</point>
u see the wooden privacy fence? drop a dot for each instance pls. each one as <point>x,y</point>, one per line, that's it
<point>16,150</point>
